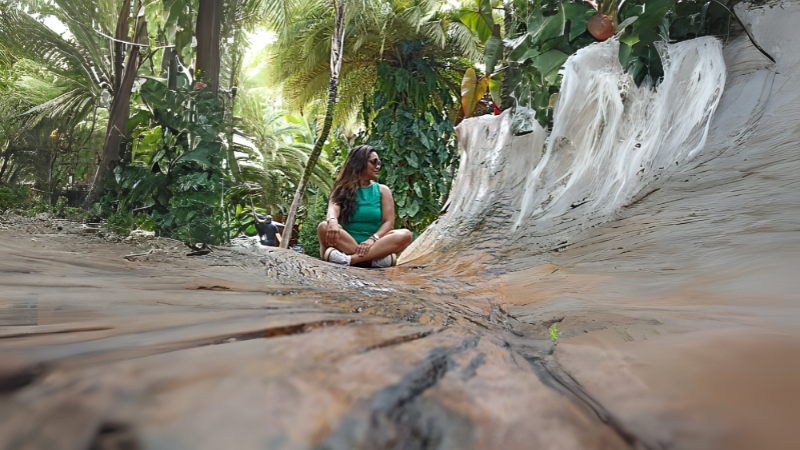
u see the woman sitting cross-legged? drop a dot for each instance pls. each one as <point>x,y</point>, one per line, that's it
<point>361,216</point>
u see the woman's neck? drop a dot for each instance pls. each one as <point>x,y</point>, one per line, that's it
<point>364,182</point>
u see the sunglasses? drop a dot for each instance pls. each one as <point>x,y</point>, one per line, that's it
<point>375,162</point>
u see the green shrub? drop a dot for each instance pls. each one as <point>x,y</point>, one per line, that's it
<point>308,230</point>
<point>65,212</point>
<point>13,197</point>
<point>123,222</point>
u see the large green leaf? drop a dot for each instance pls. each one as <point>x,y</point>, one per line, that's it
<point>550,61</point>
<point>653,13</point>
<point>577,14</point>
<point>519,49</point>
<point>413,161</point>
<point>479,20</point>
<point>494,49</point>
<point>401,79</point>
<point>495,88</point>
<point>413,208</point>
<point>553,27</point>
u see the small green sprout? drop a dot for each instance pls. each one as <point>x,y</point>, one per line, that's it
<point>553,332</point>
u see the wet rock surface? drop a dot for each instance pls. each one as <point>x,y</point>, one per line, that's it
<point>677,314</point>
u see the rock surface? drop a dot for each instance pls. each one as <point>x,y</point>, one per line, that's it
<point>676,310</point>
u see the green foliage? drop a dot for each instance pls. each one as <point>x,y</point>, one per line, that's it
<point>174,168</point>
<point>315,213</point>
<point>553,332</point>
<point>65,212</point>
<point>413,137</point>
<point>242,220</point>
<point>123,222</point>
<point>480,19</point>
<point>542,39</point>
<point>281,147</point>
<point>376,30</point>
<point>13,197</point>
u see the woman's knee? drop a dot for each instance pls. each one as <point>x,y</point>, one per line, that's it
<point>322,228</point>
<point>404,236</point>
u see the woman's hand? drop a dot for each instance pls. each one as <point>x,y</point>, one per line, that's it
<point>364,247</point>
<point>332,237</point>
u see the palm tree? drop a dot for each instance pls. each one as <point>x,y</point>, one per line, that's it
<point>281,145</point>
<point>76,69</point>
<point>84,66</point>
<point>375,31</point>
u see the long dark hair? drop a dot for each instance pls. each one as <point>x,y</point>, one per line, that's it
<point>347,183</point>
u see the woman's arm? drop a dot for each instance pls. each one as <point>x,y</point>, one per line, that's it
<point>332,235</point>
<point>387,211</point>
<point>333,211</point>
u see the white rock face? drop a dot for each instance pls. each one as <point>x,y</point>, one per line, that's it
<point>610,141</point>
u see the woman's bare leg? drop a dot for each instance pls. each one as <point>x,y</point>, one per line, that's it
<point>395,241</point>
<point>346,244</point>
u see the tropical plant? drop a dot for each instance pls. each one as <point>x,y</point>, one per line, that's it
<point>374,31</point>
<point>336,57</point>
<point>80,68</point>
<point>541,37</point>
<point>411,132</point>
<point>281,145</point>
<point>481,21</point>
<point>315,213</point>
<point>175,169</point>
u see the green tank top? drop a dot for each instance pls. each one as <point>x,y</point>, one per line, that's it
<point>367,218</point>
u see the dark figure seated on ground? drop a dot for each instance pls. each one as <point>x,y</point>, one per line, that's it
<point>358,230</point>
<point>267,231</point>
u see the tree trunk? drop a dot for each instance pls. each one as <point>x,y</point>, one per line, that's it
<point>121,106</point>
<point>172,74</point>
<point>209,22</point>
<point>117,122</point>
<point>14,173</point>
<point>337,44</point>
<point>121,34</point>
<point>6,159</point>
<point>233,164</point>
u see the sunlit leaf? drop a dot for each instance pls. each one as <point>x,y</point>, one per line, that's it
<point>472,90</point>
<point>495,85</point>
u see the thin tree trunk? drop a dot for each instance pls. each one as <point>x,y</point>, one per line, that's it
<point>209,22</point>
<point>233,164</point>
<point>120,109</point>
<point>6,159</point>
<point>117,122</point>
<point>172,76</point>
<point>121,34</point>
<point>15,171</point>
<point>337,48</point>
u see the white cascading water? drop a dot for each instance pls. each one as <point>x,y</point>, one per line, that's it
<point>610,141</point>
